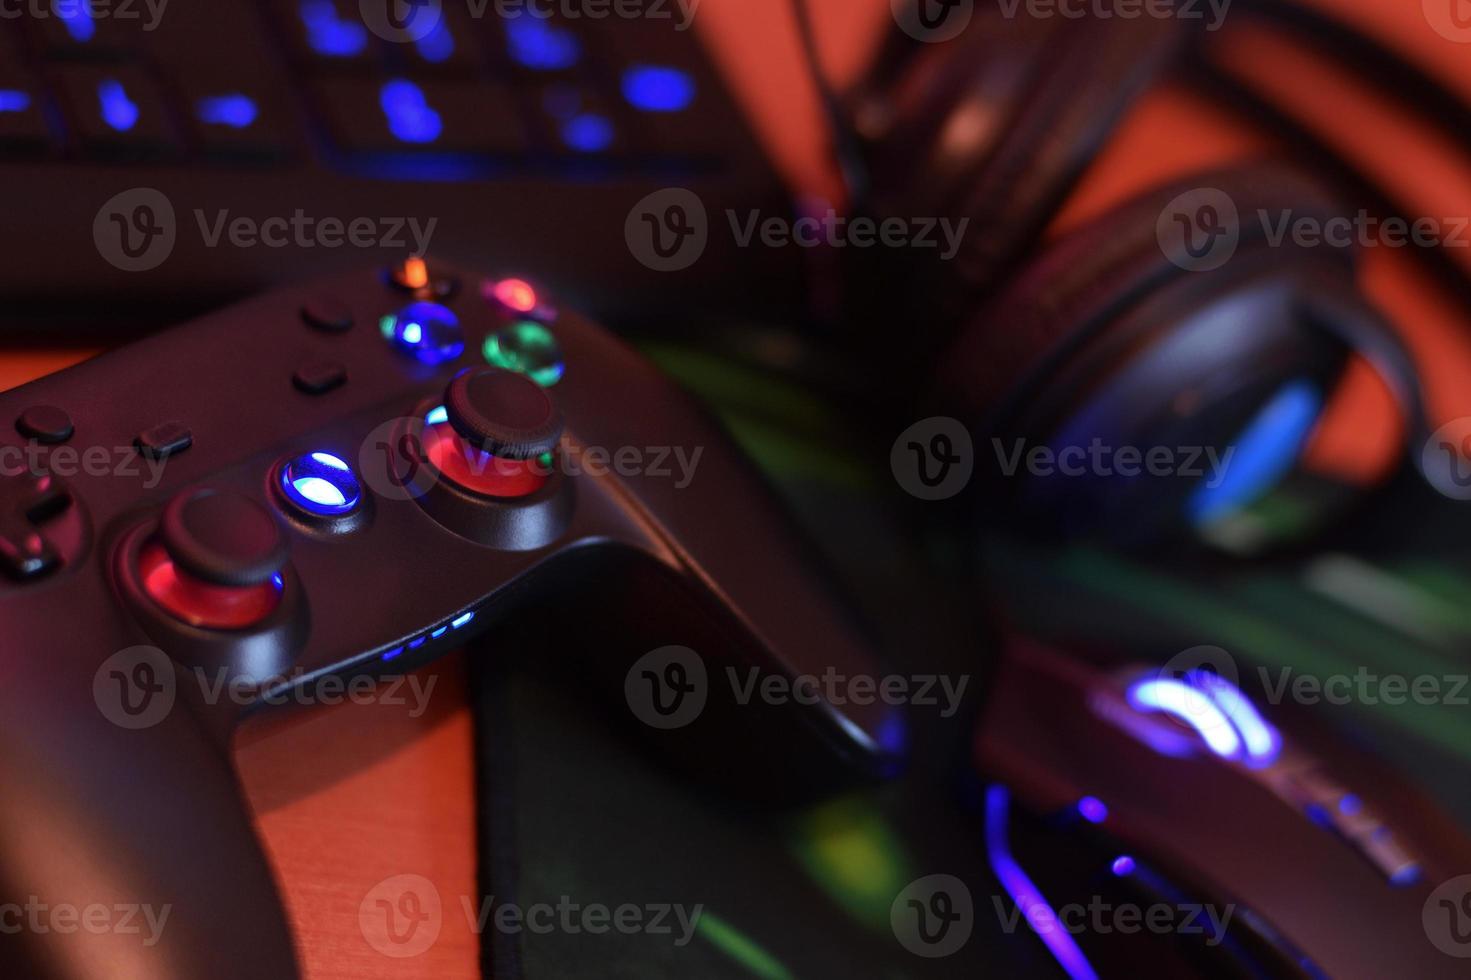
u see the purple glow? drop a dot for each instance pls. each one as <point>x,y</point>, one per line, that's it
<point>1191,706</point>
<point>1123,865</point>
<point>1025,894</point>
<point>1092,809</point>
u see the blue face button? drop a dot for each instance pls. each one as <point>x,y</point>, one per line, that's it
<point>427,331</point>
<point>321,485</point>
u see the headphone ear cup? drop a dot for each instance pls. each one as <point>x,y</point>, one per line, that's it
<point>985,135</point>
<point>1144,330</point>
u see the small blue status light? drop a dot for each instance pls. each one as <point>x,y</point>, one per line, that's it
<point>462,620</point>
<point>439,632</point>
<point>588,132</point>
<point>321,484</point>
<point>329,34</point>
<point>234,110</point>
<point>1123,865</point>
<point>395,652</point>
<point>437,416</point>
<point>1092,809</point>
<point>410,117</point>
<point>429,332</point>
<point>540,46</point>
<point>118,111</point>
<point>656,88</point>
<point>78,20</point>
<point>14,100</point>
<point>417,642</point>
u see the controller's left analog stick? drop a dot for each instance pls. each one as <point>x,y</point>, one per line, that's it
<point>216,561</point>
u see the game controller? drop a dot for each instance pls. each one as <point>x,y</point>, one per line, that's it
<point>1149,786</point>
<point>349,480</point>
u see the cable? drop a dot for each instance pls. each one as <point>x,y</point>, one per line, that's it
<point>845,143</point>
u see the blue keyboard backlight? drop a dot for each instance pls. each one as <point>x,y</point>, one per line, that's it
<point>330,35</point>
<point>118,111</point>
<point>654,88</point>
<point>78,20</point>
<point>234,110</point>
<point>538,45</point>
<point>588,133</point>
<point>410,117</point>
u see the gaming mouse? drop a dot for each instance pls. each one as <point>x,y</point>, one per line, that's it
<point>1152,822</point>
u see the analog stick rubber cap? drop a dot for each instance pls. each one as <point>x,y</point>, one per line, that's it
<point>222,537</point>
<point>504,413</point>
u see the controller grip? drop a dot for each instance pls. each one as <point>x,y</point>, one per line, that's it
<point>131,848</point>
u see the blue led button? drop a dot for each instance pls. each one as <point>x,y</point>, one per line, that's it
<point>321,485</point>
<point>428,332</point>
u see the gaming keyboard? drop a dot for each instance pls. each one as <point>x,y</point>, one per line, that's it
<point>520,137</point>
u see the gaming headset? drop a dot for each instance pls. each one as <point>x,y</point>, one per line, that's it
<point>1177,322</point>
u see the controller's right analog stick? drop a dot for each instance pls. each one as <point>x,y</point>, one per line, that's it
<point>500,431</point>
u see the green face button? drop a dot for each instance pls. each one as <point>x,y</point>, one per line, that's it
<point>527,348</point>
